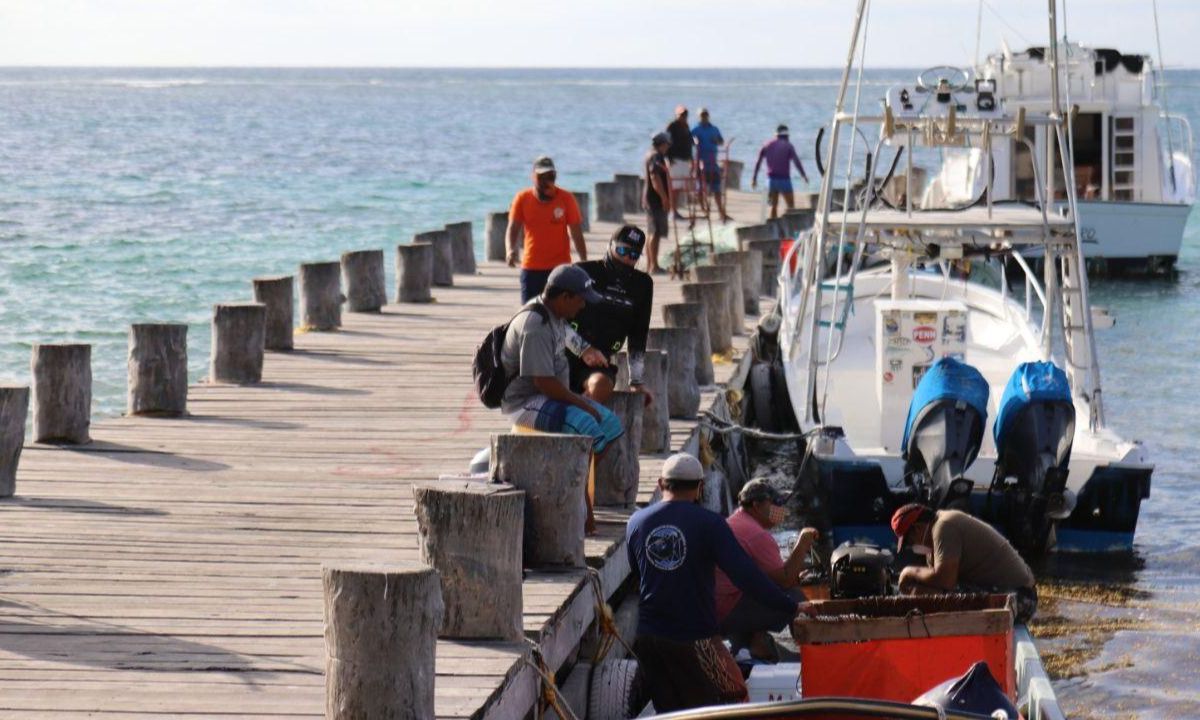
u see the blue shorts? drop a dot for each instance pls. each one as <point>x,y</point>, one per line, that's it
<point>779,185</point>
<point>712,179</point>
<point>559,417</point>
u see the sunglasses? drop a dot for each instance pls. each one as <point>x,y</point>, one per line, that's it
<point>551,176</point>
<point>628,252</point>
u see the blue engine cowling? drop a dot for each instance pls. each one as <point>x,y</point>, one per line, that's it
<point>944,431</point>
<point>1034,431</point>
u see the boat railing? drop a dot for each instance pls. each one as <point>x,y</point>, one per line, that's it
<point>1183,182</point>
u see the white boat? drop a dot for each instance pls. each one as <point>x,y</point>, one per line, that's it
<point>884,287</point>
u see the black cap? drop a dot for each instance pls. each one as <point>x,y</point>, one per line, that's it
<point>575,280</point>
<point>543,165</point>
<point>781,130</point>
<point>630,235</point>
<point>660,139</point>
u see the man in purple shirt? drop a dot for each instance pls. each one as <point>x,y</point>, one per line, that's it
<point>779,154</point>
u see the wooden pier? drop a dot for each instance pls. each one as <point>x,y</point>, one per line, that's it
<point>172,567</point>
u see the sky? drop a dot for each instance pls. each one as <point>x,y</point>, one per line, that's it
<point>563,33</point>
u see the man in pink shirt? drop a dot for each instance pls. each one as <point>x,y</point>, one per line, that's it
<point>742,619</point>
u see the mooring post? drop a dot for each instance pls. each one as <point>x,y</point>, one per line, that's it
<point>471,533</point>
<point>656,419</point>
<point>14,409</point>
<point>321,296</point>
<point>617,473</point>
<point>462,240</point>
<point>157,369</point>
<point>553,471</point>
<point>733,175</point>
<point>749,264</point>
<point>381,625</point>
<point>443,255</point>
<point>691,315</point>
<point>414,273</point>
<point>583,200</point>
<point>683,392</point>
<point>62,392</point>
<point>631,191</point>
<point>497,229</point>
<point>366,288</point>
<point>714,297</point>
<point>276,294</point>
<point>731,276</point>
<point>769,249</point>
<point>238,337</point>
<point>610,202</point>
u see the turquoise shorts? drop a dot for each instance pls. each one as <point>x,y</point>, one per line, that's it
<point>559,417</point>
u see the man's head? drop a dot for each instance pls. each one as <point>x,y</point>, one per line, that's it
<point>704,115</point>
<point>781,131</point>
<point>761,501</point>
<point>568,289</point>
<point>544,175</point>
<point>625,246</point>
<point>682,478</point>
<point>660,142</point>
<point>912,524</point>
<point>681,112</point>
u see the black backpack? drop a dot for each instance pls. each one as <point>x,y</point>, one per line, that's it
<point>490,379</point>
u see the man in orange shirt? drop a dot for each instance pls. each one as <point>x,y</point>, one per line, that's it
<point>552,222</point>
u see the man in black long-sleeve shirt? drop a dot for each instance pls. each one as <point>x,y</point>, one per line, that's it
<point>676,546</point>
<point>622,316</point>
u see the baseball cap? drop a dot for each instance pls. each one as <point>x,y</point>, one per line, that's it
<point>703,111</point>
<point>630,235</point>
<point>575,280</point>
<point>660,139</point>
<point>543,164</point>
<point>757,490</point>
<point>781,130</point>
<point>682,466</point>
<point>903,520</point>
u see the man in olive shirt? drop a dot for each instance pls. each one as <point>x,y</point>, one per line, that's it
<point>963,553</point>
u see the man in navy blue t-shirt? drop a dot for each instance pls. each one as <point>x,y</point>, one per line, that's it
<point>676,546</point>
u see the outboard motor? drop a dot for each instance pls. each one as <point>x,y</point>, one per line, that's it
<point>858,570</point>
<point>944,430</point>
<point>1034,430</point>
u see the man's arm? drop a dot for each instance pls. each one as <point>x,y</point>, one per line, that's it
<point>799,165</point>
<point>657,184</point>
<point>762,153</point>
<point>740,568</point>
<point>512,237</point>
<point>576,233</point>
<point>942,576</point>
<point>555,390</point>
<point>582,350</point>
<point>788,576</point>
<point>638,334</point>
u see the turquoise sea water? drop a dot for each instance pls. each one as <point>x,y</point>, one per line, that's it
<point>138,195</point>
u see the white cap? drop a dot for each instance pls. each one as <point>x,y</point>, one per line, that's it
<point>682,466</point>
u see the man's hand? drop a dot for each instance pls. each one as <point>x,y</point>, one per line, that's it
<point>808,535</point>
<point>647,396</point>
<point>585,405</point>
<point>803,175</point>
<point>907,580</point>
<point>754,184</point>
<point>593,358</point>
<point>511,257</point>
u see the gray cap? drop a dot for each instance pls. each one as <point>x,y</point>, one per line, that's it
<point>682,466</point>
<point>660,139</point>
<point>758,490</point>
<point>573,279</point>
<point>543,164</point>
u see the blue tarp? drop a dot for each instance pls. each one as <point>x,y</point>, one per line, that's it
<point>947,378</point>
<point>1031,382</point>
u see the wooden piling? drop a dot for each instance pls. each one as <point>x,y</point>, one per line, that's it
<point>321,296</point>
<point>693,316</point>
<point>462,240</point>
<point>414,273</point>
<point>683,392</point>
<point>443,255</point>
<point>733,175</point>
<point>610,202</point>
<point>617,473</point>
<point>714,297</point>
<point>471,533</point>
<point>278,298</point>
<point>583,200</point>
<point>631,191</point>
<point>749,265</point>
<point>238,341</point>
<point>553,471</point>
<point>14,410</point>
<point>497,230</point>
<point>157,378</point>
<point>366,288</point>
<point>62,393</point>
<point>769,249</point>
<point>656,423</point>
<point>731,276</point>
<point>381,625</point>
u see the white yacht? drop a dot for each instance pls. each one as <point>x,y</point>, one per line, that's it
<point>1133,176</point>
<point>924,354</point>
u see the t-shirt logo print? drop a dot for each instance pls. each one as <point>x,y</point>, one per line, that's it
<point>666,548</point>
<point>558,213</point>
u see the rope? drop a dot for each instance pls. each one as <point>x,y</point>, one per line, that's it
<point>609,634</point>
<point>716,425</point>
<point>1162,87</point>
<point>550,697</point>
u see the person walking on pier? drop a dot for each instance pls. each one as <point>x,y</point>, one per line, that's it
<point>622,316</point>
<point>552,221</point>
<point>780,154</point>
<point>708,143</point>
<point>962,553</point>
<point>657,199</point>
<point>675,546</point>
<point>679,155</point>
